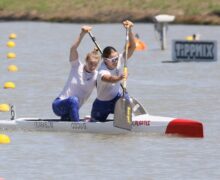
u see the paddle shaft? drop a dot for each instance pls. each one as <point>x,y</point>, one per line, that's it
<point>94,40</point>
<point>125,62</point>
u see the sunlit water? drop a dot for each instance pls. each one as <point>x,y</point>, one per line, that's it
<point>190,90</point>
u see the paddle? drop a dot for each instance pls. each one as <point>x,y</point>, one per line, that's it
<point>94,40</point>
<point>123,108</point>
<point>137,108</point>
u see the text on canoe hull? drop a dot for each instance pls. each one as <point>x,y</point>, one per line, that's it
<point>141,123</point>
<point>50,125</point>
<point>82,126</point>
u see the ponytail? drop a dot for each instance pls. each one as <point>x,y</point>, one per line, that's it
<point>94,54</point>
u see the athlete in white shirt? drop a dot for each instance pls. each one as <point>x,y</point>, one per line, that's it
<point>109,78</point>
<point>80,83</point>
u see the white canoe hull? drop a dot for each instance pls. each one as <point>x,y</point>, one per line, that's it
<point>142,123</point>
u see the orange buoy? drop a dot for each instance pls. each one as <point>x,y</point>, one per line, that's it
<point>140,45</point>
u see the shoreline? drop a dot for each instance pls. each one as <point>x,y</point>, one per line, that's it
<point>116,17</point>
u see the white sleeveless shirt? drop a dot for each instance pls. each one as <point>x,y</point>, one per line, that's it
<point>107,91</point>
<point>80,83</point>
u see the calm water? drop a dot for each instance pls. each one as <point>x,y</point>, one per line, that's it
<point>189,90</point>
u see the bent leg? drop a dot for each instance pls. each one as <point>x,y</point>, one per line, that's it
<point>60,108</point>
<point>67,108</point>
<point>99,111</point>
<point>74,108</point>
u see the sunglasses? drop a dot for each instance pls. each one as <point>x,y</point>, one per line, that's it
<point>114,59</point>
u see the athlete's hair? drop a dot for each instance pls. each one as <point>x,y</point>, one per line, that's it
<point>107,51</point>
<point>94,54</point>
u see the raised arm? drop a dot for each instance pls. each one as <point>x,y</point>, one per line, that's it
<point>132,45</point>
<point>73,51</point>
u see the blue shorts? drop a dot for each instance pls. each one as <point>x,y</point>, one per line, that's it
<point>101,109</point>
<point>67,109</point>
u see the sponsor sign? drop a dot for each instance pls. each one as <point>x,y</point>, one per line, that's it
<point>194,50</point>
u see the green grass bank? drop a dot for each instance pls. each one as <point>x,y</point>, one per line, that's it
<point>105,11</point>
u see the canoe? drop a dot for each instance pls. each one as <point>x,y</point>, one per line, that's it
<point>144,123</point>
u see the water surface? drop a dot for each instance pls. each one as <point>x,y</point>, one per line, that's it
<point>190,90</point>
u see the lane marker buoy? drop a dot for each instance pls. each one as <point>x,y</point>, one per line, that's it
<point>9,85</point>
<point>11,55</point>
<point>12,36</point>
<point>4,108</point>
<point>11,44</point>
<point>4,139</point>
<point>12,68</point>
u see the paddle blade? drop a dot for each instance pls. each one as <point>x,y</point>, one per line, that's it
<point>137,108</point>
<point>123,114</point>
